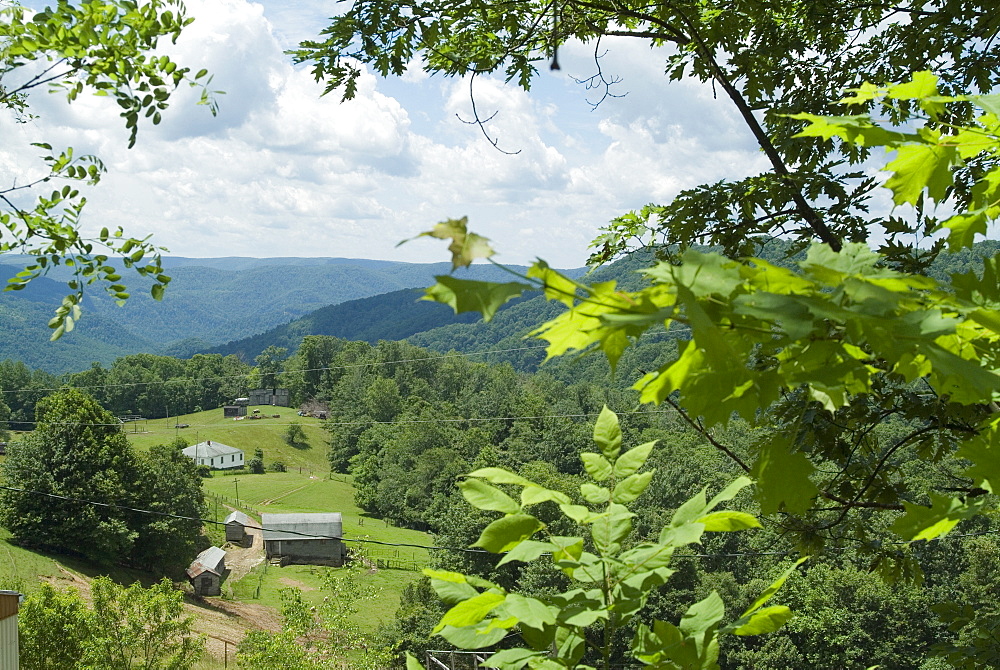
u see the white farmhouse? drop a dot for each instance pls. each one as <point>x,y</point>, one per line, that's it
<point>215,455</point>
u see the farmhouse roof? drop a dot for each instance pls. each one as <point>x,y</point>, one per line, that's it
<point>210,449</point>
<point>240,518</point>
<point>211,560</point>
<point>315,526</point>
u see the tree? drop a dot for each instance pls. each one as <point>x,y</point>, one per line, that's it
<point>168,482</point>
<point>767,59</point>
<point>610,574</point>
<point>77,451</point>
<point>256,464</point>
<point>105,47</point>
<point>269,365</point>
<point>130,627</point>
<point>295,436</point>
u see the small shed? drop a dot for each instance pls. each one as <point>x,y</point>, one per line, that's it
<point>206,572</point>
<point>236,524</point>
<point>232,411</point>
<point>10,602</point>
<point>309,539</point>
<point>215,455</point>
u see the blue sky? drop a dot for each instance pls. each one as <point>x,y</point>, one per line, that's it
<point>284,172</point>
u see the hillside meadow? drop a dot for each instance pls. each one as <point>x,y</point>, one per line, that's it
<point>307,486</point>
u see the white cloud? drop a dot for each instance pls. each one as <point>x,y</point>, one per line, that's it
<point>283,171</point>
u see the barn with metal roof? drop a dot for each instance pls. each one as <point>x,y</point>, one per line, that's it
<point>310,539</point>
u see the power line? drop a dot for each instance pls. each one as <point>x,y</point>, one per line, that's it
<point>465,550</point>
<point>178,380</point>
<point>367,422</point>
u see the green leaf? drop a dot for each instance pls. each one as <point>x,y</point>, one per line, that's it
<point>483,496</point>
<point>470,612</point>
<point>722,522</point>
<point>631,487</point>
<point>451,587</point>
<point>465,247</point>
<point>506,533</point>
<point>529,611</point>
<point>511,658</point>
<point>595,495</point>
<point>468,637</point>
<point>927,523</point>
<point>766,620</point>
<point>501,476</point>
<point>532,495</point>
<point>632,460</point>
<point>920,166</point>
<point>526,552</point>
<point>608,434</point>
<point>703,615</point>
<point>466,295</point>
<point>783,479</point>
<point>412,663</point>
<point>773,588</point>
<point>597,466</point>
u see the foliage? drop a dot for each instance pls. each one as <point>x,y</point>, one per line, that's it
<point>317,637</point>
<point>256,464</point>
<point>105,47</point>
<point>72,478</point>
<point>130,627</point>
<point>296,437</point>
<point>765,60</point>
<point>577,628</point>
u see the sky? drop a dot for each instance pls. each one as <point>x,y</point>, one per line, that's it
<point>284,171</point>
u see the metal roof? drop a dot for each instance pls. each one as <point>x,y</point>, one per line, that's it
<point>240,518</point>
<point>211,560</point>
<point>315,526</point>
<point>210,449</point>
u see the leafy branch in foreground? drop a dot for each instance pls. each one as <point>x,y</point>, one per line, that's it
<point>104,47</point>
<point>611,573</point>
<point>836,329</point>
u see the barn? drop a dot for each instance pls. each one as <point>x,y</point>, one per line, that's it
<point>308,539</point>
<point>206,572</point>
<point>236,524</point>
<point>215,455</point>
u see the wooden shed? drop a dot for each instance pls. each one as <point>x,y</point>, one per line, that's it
<point>309,539</point>
<point>236,524</point>
<point>207,571</point>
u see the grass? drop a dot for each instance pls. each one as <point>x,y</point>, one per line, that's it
<point>266,434</point>
<point>285,492</point>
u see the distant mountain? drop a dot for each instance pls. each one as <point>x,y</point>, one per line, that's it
<point>210,301</point>
<point>390,316</point>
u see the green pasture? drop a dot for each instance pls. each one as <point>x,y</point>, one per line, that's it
<point>246,434</point>
<point>285,492</point>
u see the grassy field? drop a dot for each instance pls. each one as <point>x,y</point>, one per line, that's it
<point>306,487</point>
<point>293,492</point>
<point>247,434</point>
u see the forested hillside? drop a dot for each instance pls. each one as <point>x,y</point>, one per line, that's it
<point>208,302</point>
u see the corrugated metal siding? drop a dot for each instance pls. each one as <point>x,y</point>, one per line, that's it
<point>301,526</point>
<point>8,643</point>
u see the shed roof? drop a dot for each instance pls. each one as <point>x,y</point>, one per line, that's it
<point>239,517</point>
<point>211,560</point>
<point>315,526</point>
<point>210,449</point>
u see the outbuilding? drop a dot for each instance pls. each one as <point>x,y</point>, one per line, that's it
<point>10,602</point>
<point>215,455</point>
<point>206,572</point>
<point>236,524</point>
<point>309,539</point>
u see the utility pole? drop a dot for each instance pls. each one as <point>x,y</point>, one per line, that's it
<point>237,483</point>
